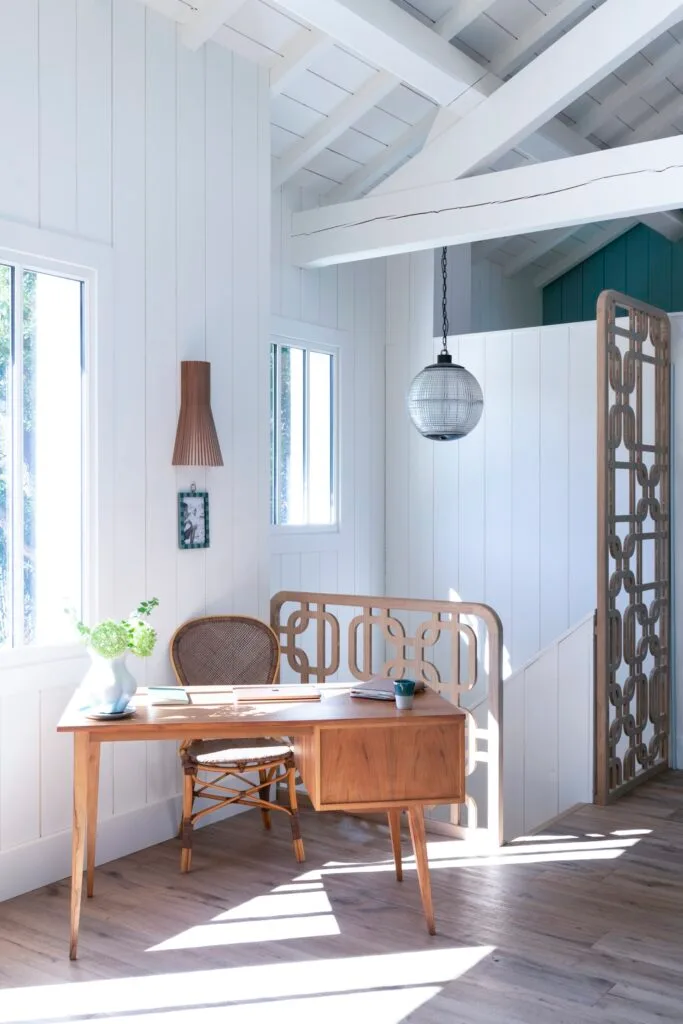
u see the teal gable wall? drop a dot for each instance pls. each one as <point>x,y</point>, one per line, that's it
<point>640,263</point>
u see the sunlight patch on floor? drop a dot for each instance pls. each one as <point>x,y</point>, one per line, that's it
<point>383,986</point>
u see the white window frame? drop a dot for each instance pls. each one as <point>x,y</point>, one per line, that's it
<point>27,248</point>
<point>315,339</point>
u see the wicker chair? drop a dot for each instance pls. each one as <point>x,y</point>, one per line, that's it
<point>231,650</point>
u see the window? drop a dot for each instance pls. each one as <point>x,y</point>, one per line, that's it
<point>41,454</point>
<point>303,435</point>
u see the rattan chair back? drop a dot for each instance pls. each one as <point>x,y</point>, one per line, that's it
<point>225,650</point>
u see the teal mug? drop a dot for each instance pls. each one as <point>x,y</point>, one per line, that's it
<point>404,692</point>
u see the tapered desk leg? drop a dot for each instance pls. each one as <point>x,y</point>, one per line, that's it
<point>78,836</point>
<point>417,834</point>
<point>93,794</point>
<point>395,832</point>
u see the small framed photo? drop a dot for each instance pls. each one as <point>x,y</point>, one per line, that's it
<point>193,519</point>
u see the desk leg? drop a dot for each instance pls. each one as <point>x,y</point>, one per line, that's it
<point>417,834</point>
<point>78,836</point>
<point>395,832</point>
<point>93,794</point>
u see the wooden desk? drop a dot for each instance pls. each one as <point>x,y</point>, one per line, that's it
<point>352,754</point>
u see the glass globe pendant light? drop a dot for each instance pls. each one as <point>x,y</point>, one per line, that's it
<point>445,401</point>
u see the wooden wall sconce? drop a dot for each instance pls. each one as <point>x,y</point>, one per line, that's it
<point>196,442</point>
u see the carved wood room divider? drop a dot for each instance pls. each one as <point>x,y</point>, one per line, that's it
<point>633,650</point>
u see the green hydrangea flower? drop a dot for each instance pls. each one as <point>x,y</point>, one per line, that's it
<point>109,639</point>
<point>142,639</point>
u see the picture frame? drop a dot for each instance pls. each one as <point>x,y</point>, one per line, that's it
<point>193,519</point>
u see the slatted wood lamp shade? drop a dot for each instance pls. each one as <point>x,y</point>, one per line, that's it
<point>196,441</point>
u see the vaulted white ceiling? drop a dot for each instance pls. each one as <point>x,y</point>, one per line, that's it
<point>359,86</point>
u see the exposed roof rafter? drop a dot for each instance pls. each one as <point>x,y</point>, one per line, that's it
<point>593,48</point>
<point>306,45</point>
<point>463,14</point>
<point>543,243</point>
<point>207,22</point>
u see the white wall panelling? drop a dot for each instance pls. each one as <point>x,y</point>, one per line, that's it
<point>123,137</point>
<point>345,307</point>
<point>507,515</point>
<point>548,733</point>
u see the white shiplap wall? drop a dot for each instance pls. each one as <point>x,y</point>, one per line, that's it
<point>346,304</point>
<point>507,515</point>
<point>119,135</point>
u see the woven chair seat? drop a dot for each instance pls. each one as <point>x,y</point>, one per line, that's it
<point>227,752</point>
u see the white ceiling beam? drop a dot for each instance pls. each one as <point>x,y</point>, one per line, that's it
<point>668,223</point>
<point>582,252</point>
<point>560,18</point>
<point>586,54</point>
<point>205,23</point>
<point>331,127</point>
<point>543,243</point>
<point>635,88</point>
<point>463,14</point>
<point>383,163</point>
<point>610,184</point>
<point>298,55</point>
<point>390,38</point>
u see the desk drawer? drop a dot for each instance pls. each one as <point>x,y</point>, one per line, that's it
<point>384,765</point>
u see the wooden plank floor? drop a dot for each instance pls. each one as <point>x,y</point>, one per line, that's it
<point>585,927</point>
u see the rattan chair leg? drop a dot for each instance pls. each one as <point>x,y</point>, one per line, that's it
<point>264,793</point>
<point>294,813</point>
<point>186,828</point>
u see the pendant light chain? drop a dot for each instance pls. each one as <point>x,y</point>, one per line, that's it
<point>444,298</point>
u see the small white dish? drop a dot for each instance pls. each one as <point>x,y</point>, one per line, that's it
<point>110,716</point>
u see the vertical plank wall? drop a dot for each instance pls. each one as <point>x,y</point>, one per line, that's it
<point>349,299</point>
<point>119,135</point>
<point>507,515</point>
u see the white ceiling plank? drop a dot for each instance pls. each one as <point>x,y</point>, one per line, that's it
<point>329,128</point>
<point>543,244</point>
<point>245,47</point>
<point>582,252</point>
<point>556,21</point>
<point>607,185</point>
<point>303,49</point>
<point>370,173</point>
<point>206,22</point>
<point>463,14</point>
<point>668,223</point>
<point>590,51</point>
<point>635,88</point>
<point>390,38</point>
<point>660,122</point>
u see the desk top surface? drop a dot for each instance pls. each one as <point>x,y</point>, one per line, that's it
<point>212,708</point>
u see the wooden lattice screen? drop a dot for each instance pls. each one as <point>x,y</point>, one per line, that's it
<point>632,663</point>
<point>455,648</point>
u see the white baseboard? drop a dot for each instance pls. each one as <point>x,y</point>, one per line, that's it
<point>48,859</point>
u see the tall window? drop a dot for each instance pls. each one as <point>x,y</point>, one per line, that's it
<point>303,436</point>
<point>41,454</point>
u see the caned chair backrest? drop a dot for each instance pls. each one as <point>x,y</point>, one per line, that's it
<point>225,650</point>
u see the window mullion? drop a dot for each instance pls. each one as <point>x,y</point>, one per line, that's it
<point>17,461</point>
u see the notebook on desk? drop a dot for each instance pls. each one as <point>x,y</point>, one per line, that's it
<point>257,694</point>
<point>168,695</point>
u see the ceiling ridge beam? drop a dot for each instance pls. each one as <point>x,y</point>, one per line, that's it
<point>299,53</point>
<point>606,185</point>
<point>620,97</point>
<point>593,48</point>
<point>207,22</point>
<point>331,127</point>
<point>556,21</point>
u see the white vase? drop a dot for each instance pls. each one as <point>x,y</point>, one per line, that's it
<point>108,685</point>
